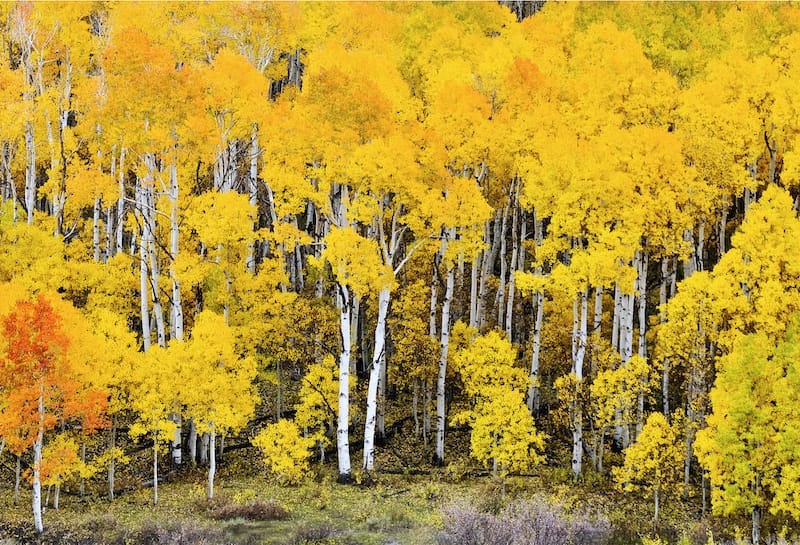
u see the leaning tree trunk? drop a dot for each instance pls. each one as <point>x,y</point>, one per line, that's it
<point>375,377</point>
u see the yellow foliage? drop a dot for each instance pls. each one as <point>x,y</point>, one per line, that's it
<point>285,451</point>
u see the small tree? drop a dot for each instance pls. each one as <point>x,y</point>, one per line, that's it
<point>285,450</point>
<point>653,462</point>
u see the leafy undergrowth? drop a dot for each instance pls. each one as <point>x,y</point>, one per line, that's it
<point>398,509</point>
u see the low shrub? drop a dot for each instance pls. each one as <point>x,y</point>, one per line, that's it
<point>531,522</point>
<point>318,533</point>
<point>258,510</point>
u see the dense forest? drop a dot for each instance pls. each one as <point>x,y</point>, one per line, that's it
<point>569,230</point>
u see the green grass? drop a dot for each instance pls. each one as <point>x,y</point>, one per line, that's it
<point>399,509</point>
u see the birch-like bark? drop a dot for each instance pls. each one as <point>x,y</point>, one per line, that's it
<point>580,340</point>
<point>177,304</point>
<point>343,421</point>
<point>253,188</point>
<point>517,260</point>
<point>121,201</point>
<point>212,461</point>
<point>445,345</point>
<point>662,317</point>
<point>144,289</point>
<point>155,468</point>
<point>501,289</point>
<point>375,376</point>
<point>642,261</point>
<point>96,230</point>
<point>30,172</point>
<point>37,467</point>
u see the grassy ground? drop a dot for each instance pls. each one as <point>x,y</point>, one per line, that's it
<point>393,509</point>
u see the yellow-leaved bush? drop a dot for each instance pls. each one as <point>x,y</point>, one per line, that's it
<point>285,450</point>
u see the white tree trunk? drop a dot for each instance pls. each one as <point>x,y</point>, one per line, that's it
<point>343,421</point>
<point>144,288</point>
<point>37,467</point>
<point>121,201</point>
<point>177,305</point>
<point>581,309</point>
<point>375,377</point>
<point>441,417</point>
<point>155,468</point>
<point>533,388</point>
<point>96,230</point>
<point>212,462</point>
<point>30,172</point>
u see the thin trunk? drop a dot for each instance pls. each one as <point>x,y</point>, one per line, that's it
<point>489,257</point>
<point>155,468</point>
<point>662,301</point>
<point>533,389</point>
<point>144,288</point>
<point>516,265</point>
<point>580,337</point>
<point>253,187</point>
<point>177,304</point>
<point>96,230</point>
<point>426,412</point>
<point>597,323</point>
<point>375,376</point>
<point>212,464</point>
<point>642,262</point>
<point>121,201</point>
<point>415,406</point>
<point>445,344</point>
<point>37,467</point>
<point>112,464</point>
<point>473,293</point>
<point>30,172</point>
<point>192,442</point>
<point>501,289</point>
<point>177,454</point>
<point>56,496</point>
<point>756,517</point>
<point>617,315</point>
<point>82,486</point>
<point>204,449</point>
<point>18,475</point>
<point>342,432</point>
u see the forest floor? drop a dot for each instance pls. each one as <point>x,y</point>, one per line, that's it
<point>391,510</point>
<point>394,507</point>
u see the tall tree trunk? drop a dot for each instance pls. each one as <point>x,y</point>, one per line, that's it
<point>155,468</point>
<point>642,261</point>
<point>96,230</point>
<point>212,463</point>
<point>441,417</point>
<point>580,338</point>
<point>517,259</point>
<point>533,389</point>
<point>144,288</point>
<point>30,172</point>
<point>342,432</point>
<point>375,376</point>
<point>112,463</point>
<point>37,467</point>
<point>121,201</point>
<point>177,304</point>
<point>253,188</point>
